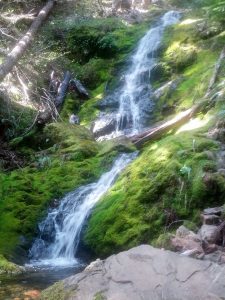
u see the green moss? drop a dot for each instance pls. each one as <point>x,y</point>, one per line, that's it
<point>56,292</point>
<point>70,159</point>
<point>133,211</point>
<point>186,53</point>
<point>7,267</point>
<point>99,296</point>
<point>89,112</point>
<point>117,145</point>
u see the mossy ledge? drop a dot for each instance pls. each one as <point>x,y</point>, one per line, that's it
<point>68,157</point>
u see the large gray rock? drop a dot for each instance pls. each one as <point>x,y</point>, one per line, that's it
<point>209,233</point>
<point>144,273</point>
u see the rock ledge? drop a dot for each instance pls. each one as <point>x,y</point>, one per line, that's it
<point>143,273</point>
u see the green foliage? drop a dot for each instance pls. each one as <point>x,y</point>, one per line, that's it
<point>8,267</point>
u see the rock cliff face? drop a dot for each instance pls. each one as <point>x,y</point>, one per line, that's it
<point>143,273</point>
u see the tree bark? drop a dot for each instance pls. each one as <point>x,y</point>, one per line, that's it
<point>216,72</point>
<point>157,131</point>
<point>52,111</point>
<point>18,51</point>
<point>62,90</point>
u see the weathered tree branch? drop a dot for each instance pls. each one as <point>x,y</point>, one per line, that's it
<point>18,51</point>
<point>157,131</point>
<point>216,72</point>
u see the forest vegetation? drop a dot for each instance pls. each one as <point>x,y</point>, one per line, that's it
<point>174,177</point>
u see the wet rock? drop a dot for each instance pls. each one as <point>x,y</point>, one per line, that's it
<point>210,219</point>
<point>216,256</point>
<point>166,89</point>
<point>209,233</point>
<point>221,172</point>
<point>144,273</point>
<point>74,119</point>
<point>108,102</point>
<point>55,203</point>
<point>214,211</point>
<point>182,231</point>
<point>104,125</point>
<point>160,72</point>
<point>119,144</point>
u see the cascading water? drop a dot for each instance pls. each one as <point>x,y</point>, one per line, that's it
<point>60,231</point>
<point>134,96</point>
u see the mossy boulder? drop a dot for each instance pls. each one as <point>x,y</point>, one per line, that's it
<point>73,139</point>
<point>56,292</point>
<point>9,268</point>
<point>180,55</point>
<point>160,73</point>
<point>121,144</point>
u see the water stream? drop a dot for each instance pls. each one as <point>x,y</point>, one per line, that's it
<point>60,231</point>
<point>134,95</point>
<point>53,255</point>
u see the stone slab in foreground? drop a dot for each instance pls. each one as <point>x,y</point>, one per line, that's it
<point>143,273</point>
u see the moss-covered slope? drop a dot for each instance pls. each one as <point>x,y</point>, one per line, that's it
<point>174,178</point>
<point>69,159</point>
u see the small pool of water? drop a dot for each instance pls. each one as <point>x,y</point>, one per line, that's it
<point>28,285</point>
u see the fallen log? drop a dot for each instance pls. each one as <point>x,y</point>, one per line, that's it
<point>216,72</point>
<point>55,105</point>
<point>157,131</point>
<point>18,51</point>
<point>62,90</point>
<point>78,87</point>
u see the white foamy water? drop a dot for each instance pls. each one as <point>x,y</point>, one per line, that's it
<point>60,231</point>
<point>134,96</point>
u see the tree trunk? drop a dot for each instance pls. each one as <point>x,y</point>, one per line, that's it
<point>157,131</point>
<point>62,90</point>
<point>18,51</point>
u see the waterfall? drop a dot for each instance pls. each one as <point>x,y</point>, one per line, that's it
<point>134,96</point>
<point>60,231</point>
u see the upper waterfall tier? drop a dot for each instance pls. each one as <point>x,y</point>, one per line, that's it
<point>134,95</point>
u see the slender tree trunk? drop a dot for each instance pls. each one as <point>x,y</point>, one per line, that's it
<point>18,51</point>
